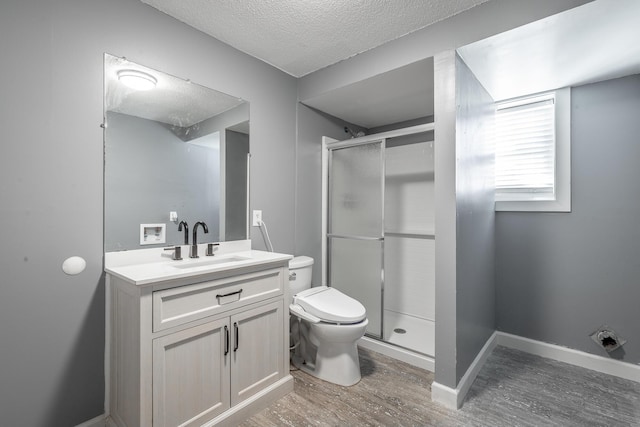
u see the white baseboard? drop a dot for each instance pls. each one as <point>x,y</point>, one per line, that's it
<point>605,365</point>
<point>398,353</point>
<point>453,398</point>
<point>446,396</point>
<point>99,421</point>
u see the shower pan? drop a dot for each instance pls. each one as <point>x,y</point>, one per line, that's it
<point>379,232</point>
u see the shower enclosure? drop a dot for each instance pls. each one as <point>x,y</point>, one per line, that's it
<point>379,229</point>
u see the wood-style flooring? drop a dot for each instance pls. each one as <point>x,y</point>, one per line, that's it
<point>513,389</point>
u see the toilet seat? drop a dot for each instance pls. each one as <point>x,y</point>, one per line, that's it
<point>330,305</point>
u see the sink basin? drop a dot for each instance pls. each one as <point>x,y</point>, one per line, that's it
<point>208,262</point>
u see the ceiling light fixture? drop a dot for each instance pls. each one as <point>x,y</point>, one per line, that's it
<point>137,79</point>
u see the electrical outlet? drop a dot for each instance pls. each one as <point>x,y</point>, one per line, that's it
<point>257,218</point>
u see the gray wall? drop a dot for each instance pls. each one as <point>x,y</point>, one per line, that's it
<point>149,171</point>
<point>52,331</point>
<point>464,208</point>
<point>562,275</point>
<point>312,126</point>
<point>444,66</point>
<point>219,122</point>
<point>475,228</point>
<point>236,149</point>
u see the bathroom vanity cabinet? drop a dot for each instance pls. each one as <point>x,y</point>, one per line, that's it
<point>198,350</point>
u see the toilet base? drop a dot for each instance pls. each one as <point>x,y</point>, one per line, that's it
<point>339,365</point>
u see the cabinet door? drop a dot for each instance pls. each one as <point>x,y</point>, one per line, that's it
<point>191,375</point>
<point>257,351</point>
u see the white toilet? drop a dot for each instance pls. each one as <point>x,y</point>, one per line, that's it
<point>325,326</point>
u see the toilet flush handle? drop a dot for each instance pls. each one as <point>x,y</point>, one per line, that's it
<point>298,311</point>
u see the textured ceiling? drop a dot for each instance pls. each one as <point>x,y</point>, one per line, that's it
<point>594,42</point>
<point>302,36</point>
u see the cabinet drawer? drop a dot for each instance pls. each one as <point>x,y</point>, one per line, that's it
<point>175,306</point>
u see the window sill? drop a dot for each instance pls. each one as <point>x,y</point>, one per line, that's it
<point>534,206</point>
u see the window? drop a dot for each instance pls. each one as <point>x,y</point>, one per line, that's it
<point>533,153</point>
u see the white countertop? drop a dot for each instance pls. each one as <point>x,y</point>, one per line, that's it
<point>145,270</point>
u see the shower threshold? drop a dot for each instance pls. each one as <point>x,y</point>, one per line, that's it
<point>399,353</point>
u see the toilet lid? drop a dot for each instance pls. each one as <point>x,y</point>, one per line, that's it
<point>330,305</point>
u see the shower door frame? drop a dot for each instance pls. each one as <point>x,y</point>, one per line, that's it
<point>329,144</point>
<point>328,237</point>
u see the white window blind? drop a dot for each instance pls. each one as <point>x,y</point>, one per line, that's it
<point>525,149</point>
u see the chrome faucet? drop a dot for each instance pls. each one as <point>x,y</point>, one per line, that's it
<point>194,242</point>
<point>186,231</point>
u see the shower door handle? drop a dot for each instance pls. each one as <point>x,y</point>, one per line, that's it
<point>347,236</point>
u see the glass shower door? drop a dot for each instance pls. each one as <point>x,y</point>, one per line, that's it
<point>355,228</point>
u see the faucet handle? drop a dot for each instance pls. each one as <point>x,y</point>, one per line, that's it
<point>177,252</point>
<point>211,247</point>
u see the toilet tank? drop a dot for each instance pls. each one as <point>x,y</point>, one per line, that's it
<point>300,270</point>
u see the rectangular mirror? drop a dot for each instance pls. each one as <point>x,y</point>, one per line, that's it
<point>171,145</point>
